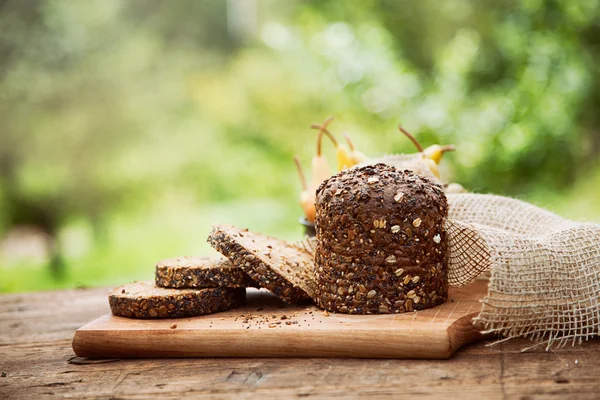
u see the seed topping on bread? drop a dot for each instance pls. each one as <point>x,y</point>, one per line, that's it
<point>283,268</point>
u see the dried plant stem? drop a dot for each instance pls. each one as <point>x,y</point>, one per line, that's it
<point>448,148</point>
<point>411,138</point>
<point>349,141</point>
<point>301,173</point>
<point>323,130</point>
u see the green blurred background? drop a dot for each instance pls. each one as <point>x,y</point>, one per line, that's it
<point>128,127</point>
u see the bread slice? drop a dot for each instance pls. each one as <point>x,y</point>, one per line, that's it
<point>144,300</point>
<point>283,268</point>
<point>200,272</point>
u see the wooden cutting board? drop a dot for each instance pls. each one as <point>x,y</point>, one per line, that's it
<point>266,327</point>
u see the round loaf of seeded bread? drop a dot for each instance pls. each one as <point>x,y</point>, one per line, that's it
<point>381,246</point>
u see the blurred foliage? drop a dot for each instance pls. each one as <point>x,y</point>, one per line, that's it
<point>128,128</point>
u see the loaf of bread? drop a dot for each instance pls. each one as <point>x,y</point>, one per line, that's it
<point>144,300</point>
<point>200,272</point>
<point>381,246</point>
<point>283,268</point>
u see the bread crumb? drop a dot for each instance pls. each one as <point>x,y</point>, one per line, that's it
<point>173,326</point>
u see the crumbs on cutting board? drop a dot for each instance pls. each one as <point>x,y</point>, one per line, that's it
<point>269,320</point>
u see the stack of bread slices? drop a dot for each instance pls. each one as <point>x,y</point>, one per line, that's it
<point>193,286</point>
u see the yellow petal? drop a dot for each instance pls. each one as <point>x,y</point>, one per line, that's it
<point>343,158</point>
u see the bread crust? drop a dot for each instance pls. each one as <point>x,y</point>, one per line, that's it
<point>381,246</point>
<point>143,300</point>
<point>200,272</point>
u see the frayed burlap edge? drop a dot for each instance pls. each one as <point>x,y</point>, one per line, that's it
<point>545,270</point>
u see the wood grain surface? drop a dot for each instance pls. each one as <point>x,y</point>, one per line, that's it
<point>36,361</point>
<point>266,327</point>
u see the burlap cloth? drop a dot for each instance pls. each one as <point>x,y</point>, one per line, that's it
<point>544,270</point>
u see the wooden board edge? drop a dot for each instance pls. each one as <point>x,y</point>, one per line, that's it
<point>391,344</point>
<point>463,332</point>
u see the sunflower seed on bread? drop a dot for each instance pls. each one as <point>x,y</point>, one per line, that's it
<point>200,272</point>
<point>144,300</point>
<point>283,268</point>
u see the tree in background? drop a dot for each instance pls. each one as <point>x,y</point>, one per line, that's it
<point>109,108</point>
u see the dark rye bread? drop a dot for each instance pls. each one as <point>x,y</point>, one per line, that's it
<point>283,268</point>
<point>144,300</point>
<point>200,272</point>
<point>381,246</point>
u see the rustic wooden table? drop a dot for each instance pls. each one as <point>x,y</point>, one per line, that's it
<point>36,361</point>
